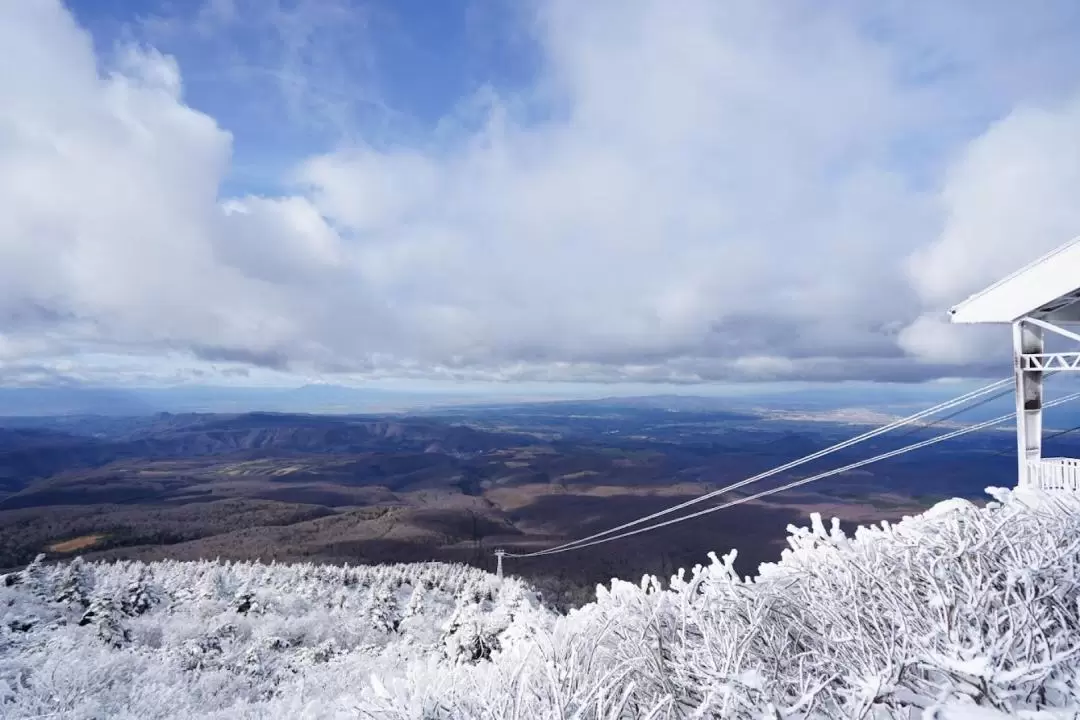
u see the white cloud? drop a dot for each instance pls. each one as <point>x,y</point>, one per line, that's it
<point>1010,198</point>
<point>279,240</point>
<point>712,191</point>
<point>108,186</point>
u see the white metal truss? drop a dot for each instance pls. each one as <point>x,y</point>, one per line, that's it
<point>1042,362</point>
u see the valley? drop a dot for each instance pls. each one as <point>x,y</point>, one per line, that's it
<point>450,485</point>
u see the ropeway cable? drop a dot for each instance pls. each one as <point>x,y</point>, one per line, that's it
<point>948,405</point>
<point>922,427</point>
<point>945,418</point>
<point>804,481</point>
<point>1051,436</point>
<point>787,466</point>
<point>837,471</point>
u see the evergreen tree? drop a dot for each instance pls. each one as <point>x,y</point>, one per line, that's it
<point>74,586</point>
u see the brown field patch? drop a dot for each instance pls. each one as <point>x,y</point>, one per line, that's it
<point>80,543</point>
<point>578,475</point>
<point>510,499</point>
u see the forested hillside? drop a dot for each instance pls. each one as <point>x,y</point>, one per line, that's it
<point>373,490</point>
<point>962,612</point>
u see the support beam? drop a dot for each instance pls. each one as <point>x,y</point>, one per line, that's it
<point>1052,362</point>
<point>500,554</point>
<point>1027,340</point>
<point>1053,328</point>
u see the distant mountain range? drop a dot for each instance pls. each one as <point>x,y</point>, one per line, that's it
<point>323,399</point>
<point>331,399</point>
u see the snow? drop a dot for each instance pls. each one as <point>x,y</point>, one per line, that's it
<point>961,613</point>
<point>947,506</point>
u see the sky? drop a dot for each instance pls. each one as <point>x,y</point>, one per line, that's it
<point>524,192</point>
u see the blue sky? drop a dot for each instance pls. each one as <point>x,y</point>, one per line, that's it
<point>291,79</point>
<point>649,193</point>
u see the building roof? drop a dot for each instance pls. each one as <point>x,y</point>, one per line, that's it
<point>1048,288</point>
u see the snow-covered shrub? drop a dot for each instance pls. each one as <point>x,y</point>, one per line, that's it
<point>956,614</point>
<point>958,610</point>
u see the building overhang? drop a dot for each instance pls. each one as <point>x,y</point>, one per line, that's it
<point>1047,289</point>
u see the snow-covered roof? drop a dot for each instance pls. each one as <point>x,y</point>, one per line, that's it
<point>1048,288</point>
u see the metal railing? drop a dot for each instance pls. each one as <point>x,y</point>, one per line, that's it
<point>1061,474</point>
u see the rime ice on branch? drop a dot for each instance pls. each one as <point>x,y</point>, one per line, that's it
<point>956,610</point>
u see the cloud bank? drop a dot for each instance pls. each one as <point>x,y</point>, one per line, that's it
<point>686,191</point>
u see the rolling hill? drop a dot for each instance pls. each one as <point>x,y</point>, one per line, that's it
<point>449,487</point>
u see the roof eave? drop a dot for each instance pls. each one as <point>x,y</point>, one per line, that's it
<point>1034,288</point>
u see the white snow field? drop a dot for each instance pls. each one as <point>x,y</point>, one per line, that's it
<point>962,613</point>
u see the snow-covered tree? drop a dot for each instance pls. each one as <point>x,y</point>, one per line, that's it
<point>959,613</point>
